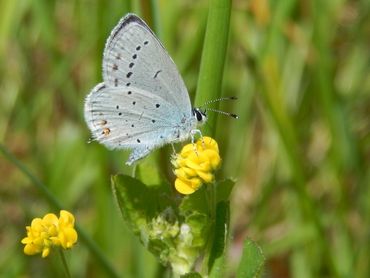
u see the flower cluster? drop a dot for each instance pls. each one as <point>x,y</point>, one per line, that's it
<point>195,165</point>
<point>50,231</point>
<point>175,242</point>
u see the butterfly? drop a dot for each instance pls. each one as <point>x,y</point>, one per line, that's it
<point>142,103</point>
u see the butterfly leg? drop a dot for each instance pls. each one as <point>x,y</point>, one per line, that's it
<point>174,154</point>
<point>196,131</point>
<point>192,133</point>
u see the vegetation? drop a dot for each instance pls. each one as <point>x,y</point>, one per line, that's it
<point>299,151</point>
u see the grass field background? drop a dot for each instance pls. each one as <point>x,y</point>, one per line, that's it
<point>300,150</point>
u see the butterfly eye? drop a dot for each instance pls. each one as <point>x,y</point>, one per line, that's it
<point>198,115</point>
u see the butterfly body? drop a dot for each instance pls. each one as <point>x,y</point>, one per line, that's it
<point>142,103</point>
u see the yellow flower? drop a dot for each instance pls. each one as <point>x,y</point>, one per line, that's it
<point>195,165</point>
<point>67,235</point>
<point>48,232</point>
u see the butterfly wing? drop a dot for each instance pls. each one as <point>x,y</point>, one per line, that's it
<point>133,56</point>
<point>143,102</point>
<point>122,118</point>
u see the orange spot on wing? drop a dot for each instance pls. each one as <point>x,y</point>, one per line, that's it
<point>106,131</point>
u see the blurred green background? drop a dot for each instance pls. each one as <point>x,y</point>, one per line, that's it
<point>299,151</point>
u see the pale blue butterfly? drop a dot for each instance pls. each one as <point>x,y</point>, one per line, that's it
<point>142,103</point>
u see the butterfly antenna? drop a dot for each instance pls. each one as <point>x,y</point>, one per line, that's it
<point>223,113</point>
<point>217,100</point>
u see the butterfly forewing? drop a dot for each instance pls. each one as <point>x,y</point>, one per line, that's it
<point>133,56</point>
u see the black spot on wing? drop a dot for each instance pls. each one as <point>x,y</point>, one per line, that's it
<point>156,74</point>
<point>101,87</point>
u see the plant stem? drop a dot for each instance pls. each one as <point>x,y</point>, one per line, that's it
<point>211,202</point>
<point>54,202</point>
<point>64,261</point>
<point>155,18</point>
<point>213,57</point>
<point>35,181</point>
<point>210,82</point>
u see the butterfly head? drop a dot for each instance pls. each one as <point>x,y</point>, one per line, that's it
<point>200,116</point>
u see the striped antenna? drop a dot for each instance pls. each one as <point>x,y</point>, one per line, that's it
<point>222,112</point>
<point>217,100</point>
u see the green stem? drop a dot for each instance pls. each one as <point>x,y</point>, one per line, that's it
<point>35,181</point>
<point>213,57</point>
<point>150,12</point>
<point>211,202</point>
<point>211,191</point>
<point>90,244</point>
<point>64,262</point>
<point>210,82</point>
<point>155,18</point>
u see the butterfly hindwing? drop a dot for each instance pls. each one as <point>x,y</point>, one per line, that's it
<point>128,118</point>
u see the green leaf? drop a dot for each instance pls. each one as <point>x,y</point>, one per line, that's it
<point>223,190</point>
<point>199,224</point>
<point>198,201</point>
<point>174,237</point>
<point>195,202</point>
<point>148,171</point>
<point>221,228</point>
<point>138,202</point>
<point>252,261</point>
